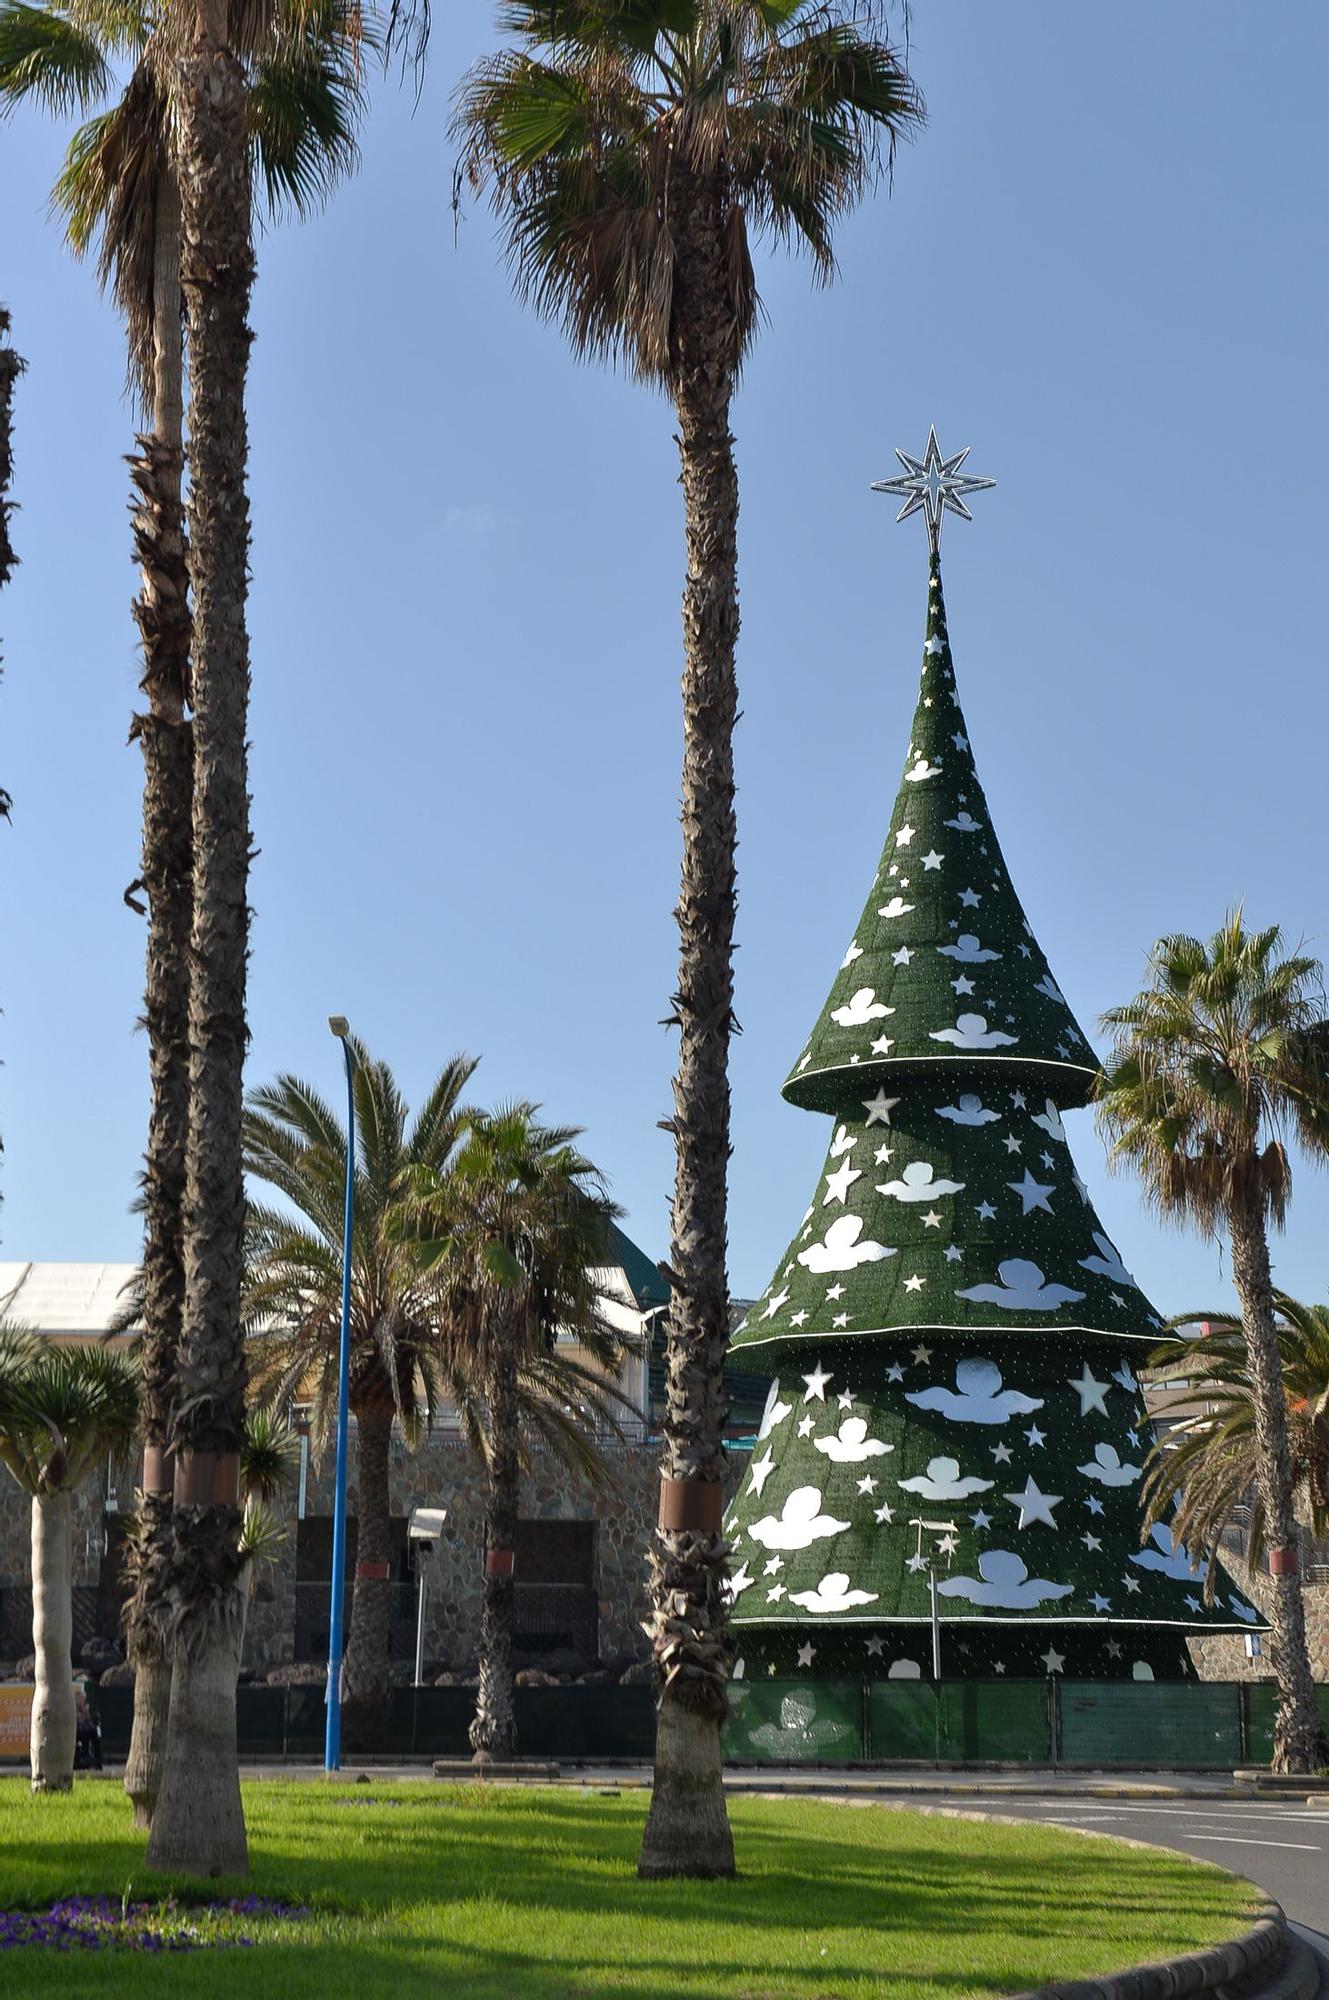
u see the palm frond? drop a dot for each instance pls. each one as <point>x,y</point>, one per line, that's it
<point>47,56</point>
<point>607,129</point>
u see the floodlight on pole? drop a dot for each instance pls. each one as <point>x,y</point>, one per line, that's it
<point>423,1529</point>
<point>332,1743</point>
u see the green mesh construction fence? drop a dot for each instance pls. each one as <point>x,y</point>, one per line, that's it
<point>1139,1724</point>
<point>1005,1722</point>
<point>1205,1725</point>
<point>796,1722</point>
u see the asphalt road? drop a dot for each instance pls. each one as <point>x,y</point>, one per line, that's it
<point>1282,1845</point>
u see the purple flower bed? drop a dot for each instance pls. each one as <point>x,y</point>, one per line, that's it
<point>99,1923</point>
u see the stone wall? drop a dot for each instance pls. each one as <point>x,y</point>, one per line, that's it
<point>1224,1657</point>
<point>444,1473</point>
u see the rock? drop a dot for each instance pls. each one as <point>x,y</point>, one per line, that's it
<point>121,1675</point>
<point>26,1668</point>
<point>534,1677</point>
<point>598,1677</point>
<point>563,1660</point>
<point>447,1680</point>
<point>304,1673</point>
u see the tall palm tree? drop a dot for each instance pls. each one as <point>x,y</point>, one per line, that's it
<point>119,191</point>
<point>1222,1056</point>
<point>61,1410</point>
<point>295,1144</point>
<point>198,1825</point>
<point>513,1238</point>
<point>1207,1464</point>
<point>630,151</point>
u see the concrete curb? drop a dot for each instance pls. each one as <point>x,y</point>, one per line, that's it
<point>494,1770</point>
<point>1260,1778</point>
<point>1089,1788</point>
<point>1237,1965</point>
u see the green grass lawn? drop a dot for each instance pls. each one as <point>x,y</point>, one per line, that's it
<point>478,1894</point>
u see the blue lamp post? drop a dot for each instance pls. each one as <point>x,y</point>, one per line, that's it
<point>332,1749</point>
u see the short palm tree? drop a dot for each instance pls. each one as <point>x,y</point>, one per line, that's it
<point>269,1468</point>
<point>631,152</point>
<point>119,191</point>
<point>1213,1065</point>
<point>1207,1465</point>
<point>513,1239</point>
<point>62,1409</point>
<point>295,1145</point>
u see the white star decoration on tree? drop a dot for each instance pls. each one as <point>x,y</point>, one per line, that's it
<point>762,1469</point>
<point>839,1183</point>
<point>1032,1193</point>
<point>934,486</point>
<point>1033,1505</point>
<point>1090,1392</point>
<point>879,1108</point>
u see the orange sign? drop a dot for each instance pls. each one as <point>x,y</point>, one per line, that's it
<point>15,1721</point>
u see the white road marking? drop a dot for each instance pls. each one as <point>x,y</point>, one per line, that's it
<point>1245,1840</point>
<point>1180,1810</point>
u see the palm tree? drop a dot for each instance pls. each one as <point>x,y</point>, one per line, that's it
<point>1207,1464</point>
<point>630,151</point>
<point>269,1468</point>
<point>61,1410</point>
<point>119,191</point>
<point>512,1238</point>
<point>1220,1058</point>
<point>295,1144</point>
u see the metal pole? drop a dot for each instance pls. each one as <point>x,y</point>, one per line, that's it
<point>936,1623</point>
<point>420,1623</point>
<point>332,1745</point>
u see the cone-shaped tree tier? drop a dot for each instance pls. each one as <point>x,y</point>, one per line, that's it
<point>955,1335</point>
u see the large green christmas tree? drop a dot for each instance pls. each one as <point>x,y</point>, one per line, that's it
<point>956,1337</point>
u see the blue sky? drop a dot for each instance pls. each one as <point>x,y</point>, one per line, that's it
<point>1102,265</point>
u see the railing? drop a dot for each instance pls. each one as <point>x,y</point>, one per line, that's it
<point>545,1615</point>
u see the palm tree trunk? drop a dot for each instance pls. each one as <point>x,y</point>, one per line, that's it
<point>493,1732</point>
<point>162,613</point>
<point>687,1829</point>
<point>11,367</point>
<point>54,1722</point>
<point>198,1827</point>
<point>368,1674</point>
<point>1299,1738</point>
<point>147,1650</point>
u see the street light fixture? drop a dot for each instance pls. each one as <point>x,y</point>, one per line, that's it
<point>423,1529</point>
<point>332,1743</point>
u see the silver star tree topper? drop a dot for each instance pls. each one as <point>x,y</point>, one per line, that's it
<point>934,484</point>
